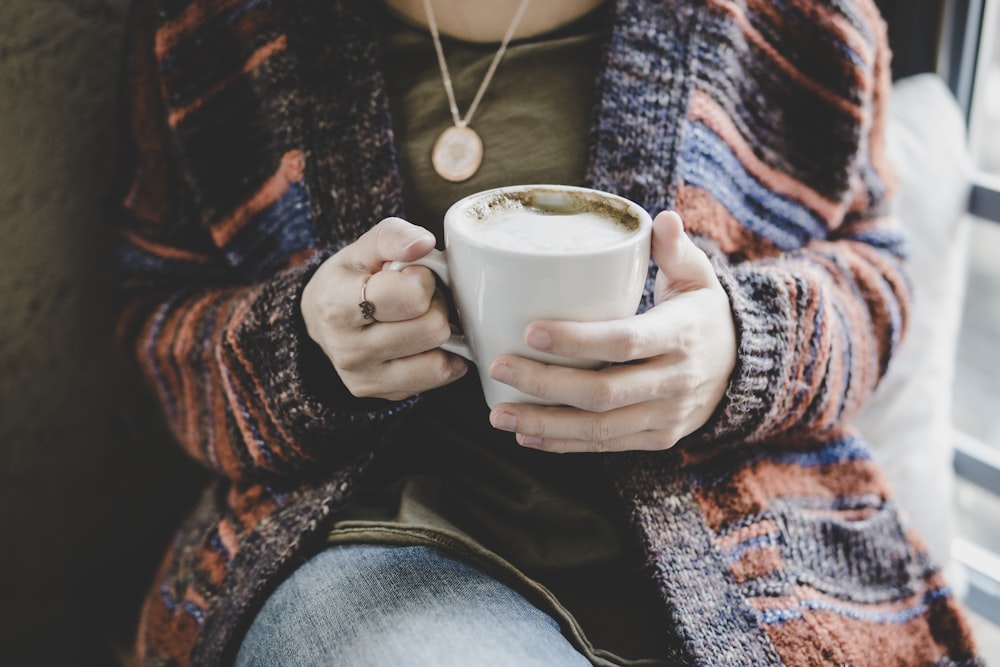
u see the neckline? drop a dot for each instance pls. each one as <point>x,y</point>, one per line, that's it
<point>592,21</point>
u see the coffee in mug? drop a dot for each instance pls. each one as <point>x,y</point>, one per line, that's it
<point>531,252</point>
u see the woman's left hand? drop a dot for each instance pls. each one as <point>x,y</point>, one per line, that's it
<point>674,363</point>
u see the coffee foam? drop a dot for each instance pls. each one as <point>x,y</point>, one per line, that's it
<point>549,220</point>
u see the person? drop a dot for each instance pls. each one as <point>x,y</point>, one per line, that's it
<point>710,504</point>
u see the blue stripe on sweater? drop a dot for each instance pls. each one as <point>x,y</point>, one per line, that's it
<point>273,235</point>
<point>709,163</point>
<point>848,448</point>
<point>759,542</point>
<point>717,470</point>
<point>776,616</point>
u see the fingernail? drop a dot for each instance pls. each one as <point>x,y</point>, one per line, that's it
<point>539,339</point>
<point>529,440</point>
<point>503,421</point>
<point>502,373</point>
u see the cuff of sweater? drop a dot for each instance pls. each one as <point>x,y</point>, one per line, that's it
<point>755,383</point>
<point>306,397</point>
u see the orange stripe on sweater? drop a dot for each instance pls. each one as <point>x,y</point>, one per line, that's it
<point>251,504</point>
<point>757,563</point>
<point>184,348</point>
<point>230,540</point>
<point>790,70</point>
<point>705,109</point>
<point>263,400</point>
<point>259,56</point>
<point>185,25</point>
<point>290,170</point>
<point>703,215</point>
<point>749,491</point>
<point>819,14</point>
<point>159,362</point>
<point>882,82</point>
<point>232,393</point>
<point>825,637</point>
<point>255,408</point>
<point>165,251</point>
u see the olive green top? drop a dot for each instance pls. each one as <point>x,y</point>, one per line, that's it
<point>541,522</point>
<point>534,119</point>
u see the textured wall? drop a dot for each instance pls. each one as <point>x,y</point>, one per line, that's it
<point>83,461</point>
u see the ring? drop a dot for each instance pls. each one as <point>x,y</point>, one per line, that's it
<point>367,307</point>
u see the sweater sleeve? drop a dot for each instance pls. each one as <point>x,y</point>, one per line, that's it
<point>817,329</point>
<point>818,323</point>
<point>242,387</point>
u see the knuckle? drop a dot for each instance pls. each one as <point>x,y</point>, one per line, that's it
<point>687,341</point>
<point>350,359</point>
<point>534,385</point>
<point>691,380</point>
<point>669,437</point>
<point>631,345</point>
<point>359,389</point>
<point>324,305</point>
<point>441,366</point>
<point>415,299</point>
<point>438,327</point>
<point>603,446</point>
<point>601,431</point>
<point>605,397</point>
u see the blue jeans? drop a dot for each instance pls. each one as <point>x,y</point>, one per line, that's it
<point>362,604</point>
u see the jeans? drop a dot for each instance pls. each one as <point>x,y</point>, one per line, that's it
<point>363,604</point>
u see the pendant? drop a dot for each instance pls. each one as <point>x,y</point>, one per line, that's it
<point>457,153</point>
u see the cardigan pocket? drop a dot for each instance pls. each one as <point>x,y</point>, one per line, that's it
<point>854,550</point>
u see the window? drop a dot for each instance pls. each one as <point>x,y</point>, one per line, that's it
<point>969,58</point>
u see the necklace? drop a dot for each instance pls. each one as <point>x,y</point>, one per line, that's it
<point>458,151</point>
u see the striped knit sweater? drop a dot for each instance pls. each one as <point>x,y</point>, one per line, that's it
<point>262,144</point>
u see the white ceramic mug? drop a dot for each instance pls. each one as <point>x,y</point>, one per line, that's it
<point>500,284</point>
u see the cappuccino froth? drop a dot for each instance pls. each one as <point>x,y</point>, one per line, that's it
<point>549,222</point>
<point>549,231</point>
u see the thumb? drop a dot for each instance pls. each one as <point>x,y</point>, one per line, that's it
<point>682,264</point>
<point>392,239</point>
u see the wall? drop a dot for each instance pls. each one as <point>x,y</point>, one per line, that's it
<point>84,463</point>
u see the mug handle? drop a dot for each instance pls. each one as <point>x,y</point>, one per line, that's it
<point>437,261</point>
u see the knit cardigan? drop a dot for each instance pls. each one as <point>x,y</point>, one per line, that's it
<point>261,143</point>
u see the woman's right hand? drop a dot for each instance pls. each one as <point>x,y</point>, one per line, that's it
<point>397,354</point>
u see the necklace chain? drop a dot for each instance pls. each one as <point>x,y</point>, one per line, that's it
<point>446,77</point>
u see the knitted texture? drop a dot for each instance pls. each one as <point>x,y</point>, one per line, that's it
<point>262,143</point>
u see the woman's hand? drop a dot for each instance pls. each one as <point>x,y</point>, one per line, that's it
<point>396,354</point>
<point>676,361</point>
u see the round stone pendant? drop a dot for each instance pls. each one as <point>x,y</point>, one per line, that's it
<point>457,153</point>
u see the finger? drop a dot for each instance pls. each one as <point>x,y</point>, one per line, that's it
<point>561,429</point>
<point>683,264</point>
<point>384,341</point>
<point>401,378</point>
<point>595,390</point>
<point>644,441</point>
<point>637,337</point>
<point>392,239</point>
<point>396,296</point>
